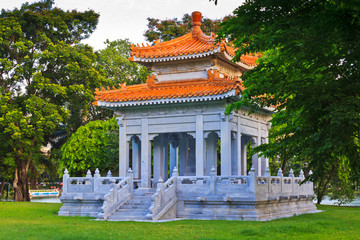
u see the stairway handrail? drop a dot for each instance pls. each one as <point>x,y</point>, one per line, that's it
<point>164,197</point>
<point>117,195</point>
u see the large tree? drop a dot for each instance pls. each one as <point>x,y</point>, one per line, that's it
<point>47,78</point>
<point>310,74</point>
<point>172,28</point>
<point>94,145</point>
<point>118,69</point>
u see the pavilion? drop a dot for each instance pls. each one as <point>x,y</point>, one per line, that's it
<point>188,159</point>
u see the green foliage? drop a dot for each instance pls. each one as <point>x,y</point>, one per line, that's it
<point>310,73</point>
<point>47,78</point>
<point>114,60</point>
<point>173,28</point>
<point>94,145</point>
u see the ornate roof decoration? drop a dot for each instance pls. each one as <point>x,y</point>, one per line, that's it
<point>192,45</point>
<point>215,86</point>
<point>187,84</point>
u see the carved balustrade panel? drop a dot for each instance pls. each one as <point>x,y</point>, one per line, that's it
<point>278,184</point>
<point>232,184</point>
<point>80,185</point>
<point>193,185</point>
<point>104,183</point>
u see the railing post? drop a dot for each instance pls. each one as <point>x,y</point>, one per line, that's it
<point>129,172</point>
<point>280,174</point>
<point>65,180</point>
<point>88,174</point>
<point>267,172</point>
<point>301,175</point>
<point>96,180</point>
<point>130,175</point>
<point>291,174</point>
<point>212,180</point>
<point>311,184</point>
<point>267,175</point>
<point>114,189</point>
<point>159,184</point>
<point>252,180</point>
<point>175,174</point>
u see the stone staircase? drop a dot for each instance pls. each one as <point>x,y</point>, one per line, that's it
<point>136,208</point>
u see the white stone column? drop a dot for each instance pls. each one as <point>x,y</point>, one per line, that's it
<point>123,148</point>
<point>240,154</point>
<point>234,153</point>
<point>182,154</point>
<point>158,159</point>
<point>264,160</point>
<point>172,158</point>
<point>145,154</point>
<point>165,153</point>
<point>243,158</point>
<point>256,160</point>
<point>191,157</point>
<point>200,146</point>
<point>177,158</point>
<point>211,153</point>
<point>136,157</point>
<point>225,146</point>
<point>174,143</point>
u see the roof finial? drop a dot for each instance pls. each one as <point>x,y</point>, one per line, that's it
<point>196,22</point>
<point>196,18</point>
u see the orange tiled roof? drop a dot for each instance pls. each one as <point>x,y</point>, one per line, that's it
<point>213,85</point>
<point>193,43</point>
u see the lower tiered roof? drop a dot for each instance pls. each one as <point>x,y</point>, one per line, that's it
<point>215,86</point>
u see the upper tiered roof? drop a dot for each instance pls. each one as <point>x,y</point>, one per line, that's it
<point>192,45</point>
<point>211,84</point>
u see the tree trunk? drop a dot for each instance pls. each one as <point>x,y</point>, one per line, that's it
<point>322,189</point>
<point>283,165</point>
<point>2,185</point>
<point>21,187</point>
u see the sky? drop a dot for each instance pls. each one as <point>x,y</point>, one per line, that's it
<point>120,19</point>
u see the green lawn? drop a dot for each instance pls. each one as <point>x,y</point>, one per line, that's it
<point>40,221</point>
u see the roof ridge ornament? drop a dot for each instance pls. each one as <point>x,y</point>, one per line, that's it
<point>196,32</point>
<point>150,81</point>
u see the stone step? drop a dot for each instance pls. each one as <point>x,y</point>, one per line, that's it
<point>144,192</point>
<point>131,212</point>
<point>138,201</point>
<point>126,218</point>
<point>141,197</point>
<point>135,206</point>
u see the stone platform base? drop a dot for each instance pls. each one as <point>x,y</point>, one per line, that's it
<point>243,209</point>
<point>84,207</point>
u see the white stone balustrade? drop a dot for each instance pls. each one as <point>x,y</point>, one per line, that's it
<point>280,187</point>
<point>89,184</point>
<point>212,185</point>
<point>101,196</point>
<point>164,199</point>
<point>118,195</point>
<point>274,186</point>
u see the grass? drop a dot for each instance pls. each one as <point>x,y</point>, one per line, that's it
<point>40,221</point>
